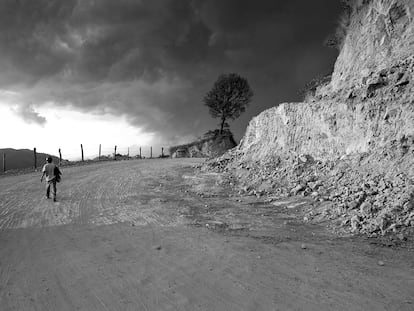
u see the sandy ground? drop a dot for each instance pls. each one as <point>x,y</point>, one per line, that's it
<point>155,235</point>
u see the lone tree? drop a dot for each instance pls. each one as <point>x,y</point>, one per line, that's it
<point>228,98</point>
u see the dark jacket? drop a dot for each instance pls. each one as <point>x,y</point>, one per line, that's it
<point>57,174</point>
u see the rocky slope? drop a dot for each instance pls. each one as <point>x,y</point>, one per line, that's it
<point>212,146</point>
<point>379,35</point>
<point>351,145</point>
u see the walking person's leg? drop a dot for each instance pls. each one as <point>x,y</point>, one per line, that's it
<point>54,189</point>
<point>48,189</point>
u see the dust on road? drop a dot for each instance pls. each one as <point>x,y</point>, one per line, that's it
<point>157,235</point>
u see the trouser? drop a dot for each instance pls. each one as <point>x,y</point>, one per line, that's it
<point>51,184</point>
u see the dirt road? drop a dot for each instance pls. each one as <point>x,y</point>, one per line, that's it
<point>153,235</point>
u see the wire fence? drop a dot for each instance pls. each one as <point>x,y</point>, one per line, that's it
<point>85,153</point>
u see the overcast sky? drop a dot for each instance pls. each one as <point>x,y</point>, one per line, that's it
<point>134,72</point>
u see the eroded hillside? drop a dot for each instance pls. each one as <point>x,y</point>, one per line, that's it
<point>351,145</point>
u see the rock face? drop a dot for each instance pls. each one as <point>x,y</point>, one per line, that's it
<point>351,145</point>
<point>327,128</point>
<point>380,34</point>
<point>209,147</point>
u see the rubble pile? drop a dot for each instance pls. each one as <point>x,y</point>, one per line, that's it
<point>352,191</point>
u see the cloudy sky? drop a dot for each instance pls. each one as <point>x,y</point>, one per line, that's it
<point>134,72</point>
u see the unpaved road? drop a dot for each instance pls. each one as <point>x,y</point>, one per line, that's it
<point>153,235</point>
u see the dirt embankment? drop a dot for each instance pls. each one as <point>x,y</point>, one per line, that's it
<point>213,144</point>
<point>351,144</point>
<point>160,235</point>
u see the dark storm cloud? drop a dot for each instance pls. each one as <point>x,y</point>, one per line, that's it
<point>30,33</point>
<point>153,61</point>
<point>28,114</point>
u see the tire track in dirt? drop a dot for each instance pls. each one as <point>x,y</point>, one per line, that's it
<point>100,194</point>
<point>77,254</point>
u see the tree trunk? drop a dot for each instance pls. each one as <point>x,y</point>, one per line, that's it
<point>223,120</point>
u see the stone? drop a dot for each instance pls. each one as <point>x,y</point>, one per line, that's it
<point>365,208</point>
<point>401,237</point>
<point>352,205</point>
<point>298,188</point>
<point>355,223</point>
<point>392,227</point>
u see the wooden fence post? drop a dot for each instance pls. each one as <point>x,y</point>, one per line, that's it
<point>162,152</point>
<point>35,158</point>
<point>128,153</point>
<point>4,162</point>
<point>99,156</point>
<point>82,151</point>
<point>60,157</point>
<point>115,153</point>
<point>151,153</point>
<point>140,153</point>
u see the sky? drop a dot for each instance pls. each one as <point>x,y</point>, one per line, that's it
<point>133,73</point>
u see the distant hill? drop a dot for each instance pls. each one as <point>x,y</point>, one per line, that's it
<point>22,158</point>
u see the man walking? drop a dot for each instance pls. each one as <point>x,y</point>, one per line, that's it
<point>52,173</point>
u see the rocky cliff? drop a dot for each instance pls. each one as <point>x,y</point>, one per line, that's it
<point>212,146</point>
<point>351,145</point>
<point>379,35</point>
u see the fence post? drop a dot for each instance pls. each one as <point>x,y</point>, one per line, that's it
<point>115,153</point>
<point>140,153</point>
<point>60,157</point>
<point>99,156</point>
<point>82,151</point>
<point>162,152</point>
<point>4,162</point>
<point>35,158</point>
<point>151,153</point>
<point>128,153</point>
